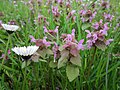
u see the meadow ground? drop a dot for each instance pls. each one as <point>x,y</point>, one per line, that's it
<point>59,45</point>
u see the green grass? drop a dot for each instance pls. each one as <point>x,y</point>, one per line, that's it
<point>100,70</point>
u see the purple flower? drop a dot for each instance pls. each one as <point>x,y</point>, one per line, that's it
<point>56,29</point>
<point>42,43</point>
<point>45,29</point>
<point>82,12</point>
<point>47,44</point>
<point>105,4</point>
<point>89,44</point>
<point>71,14</point>
<point>32,38</point>
<point>105,27</point>
<point>80,46</point>
<point>108,41</point>
<point>56,51</point>
<point>103,32</point>
<point>72,48</point>
<point>94,38</point>
<point>89,33</point>
<point>96,25</point>
<point>108,17</point>
<point>55,11</point>
<point>73,32</point>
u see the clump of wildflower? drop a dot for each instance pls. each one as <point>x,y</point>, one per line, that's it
<point>99,26</point>
<point>97,38</point>
<point>70,49</point>
<point>69,37</point>
<point>55,11</point>
<point>43,45</point>
<point>105,4</point>
<point>87,15</point>
<point>108,17</point>
<point>71,15</point>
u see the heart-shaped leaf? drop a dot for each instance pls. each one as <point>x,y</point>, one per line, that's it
<point>72,72</point>
<point>76,60</point>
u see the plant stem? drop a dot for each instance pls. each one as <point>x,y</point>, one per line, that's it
<point>24,73</point>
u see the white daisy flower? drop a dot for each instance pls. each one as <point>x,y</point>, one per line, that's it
<point>10,28</point>
<point>25,52</point>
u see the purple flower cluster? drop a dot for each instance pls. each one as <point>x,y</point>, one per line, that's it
<point>42,43</point>
<point>97,37</point>
<point>87,15</point>
<point>71,44</point>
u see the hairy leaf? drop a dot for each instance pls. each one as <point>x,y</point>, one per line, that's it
<point>72,72</point>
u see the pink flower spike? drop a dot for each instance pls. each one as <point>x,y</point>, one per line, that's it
<point>32,38</point>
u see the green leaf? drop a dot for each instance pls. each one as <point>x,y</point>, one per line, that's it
<point>48,51</point>
<point>72,72</point>
<point>76,60</point>
<point>28,63</point>
<point>64,54</point>
<point>42,53</point>
<point>35,57</point>
<point>42,60</point>
<point>85,26</point>
<point>2,41</point>
<point>64,58</point>
<point>23,64</point>
<point>53,64</point>
<point>62,62</point>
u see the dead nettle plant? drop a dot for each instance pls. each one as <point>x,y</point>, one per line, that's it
<point>67,53</point>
